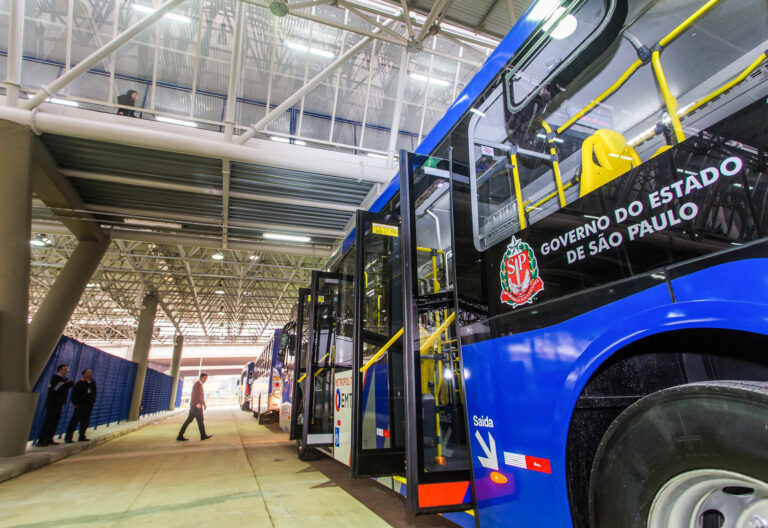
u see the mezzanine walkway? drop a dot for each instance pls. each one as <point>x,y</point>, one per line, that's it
<point>246,475</point>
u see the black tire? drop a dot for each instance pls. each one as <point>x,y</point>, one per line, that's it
<point>246,406</point>
<point>306,453</point>
<point>712,425</point>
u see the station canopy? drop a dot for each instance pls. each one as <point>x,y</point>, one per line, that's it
<point>208,234</point>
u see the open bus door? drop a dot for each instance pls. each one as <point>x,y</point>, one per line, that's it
<point>318,381</point>
<point>378,412</point>
<point>437,454</point>
<point>299,371</point>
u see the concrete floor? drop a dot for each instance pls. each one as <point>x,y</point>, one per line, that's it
<point>246,475</point>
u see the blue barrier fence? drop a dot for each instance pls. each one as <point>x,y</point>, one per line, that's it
<point>114,378</point>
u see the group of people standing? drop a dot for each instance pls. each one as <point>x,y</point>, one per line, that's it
<point>83,398</point>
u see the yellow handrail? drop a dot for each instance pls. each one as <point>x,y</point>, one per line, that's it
<point>611,89</point>
<point>381,352</point>
<point>743,75</point>
<point>657,69</point>
<point>669,99</point>
<point>316,373</point>
<point>688,23</point>
<point>555,163</point>
<point>518,192</point>
<point>440,329</point>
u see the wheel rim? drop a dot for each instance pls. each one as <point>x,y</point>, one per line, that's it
<point>710,498</point>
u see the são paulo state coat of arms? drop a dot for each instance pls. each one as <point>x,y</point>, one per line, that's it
<point>519,274</point>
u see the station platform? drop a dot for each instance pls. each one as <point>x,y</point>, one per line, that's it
<point>246,475</point>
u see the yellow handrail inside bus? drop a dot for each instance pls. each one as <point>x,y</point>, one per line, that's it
<point>739,78</point>
<point>440,329</point>
<point>316,373</point>
<point>669,99</point>
<point>688,22</point>
<point>657,70</point>
<point>611,89</point>
<point>555,164</point>
<point>518,192</point>
<point>382,351</point>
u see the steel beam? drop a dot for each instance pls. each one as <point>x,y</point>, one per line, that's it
<point>398,110</point>
<point>282,293</point>
<point>210,191</point>
<point>436,13</point>
<point>152,237</point>
<point>112,129</point>
<point>191,283</point>
<point>15,46</point>
<point>234,72</point>
<point>306,89</point>
<point>98,55</point>
<point>146,214</point>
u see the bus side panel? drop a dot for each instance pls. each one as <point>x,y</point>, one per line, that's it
<point>521,389</point>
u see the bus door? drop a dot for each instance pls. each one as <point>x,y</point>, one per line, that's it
<point>318,378</point>
<point>300,364</point>
<point>378,412</point>
<point>437,456</point>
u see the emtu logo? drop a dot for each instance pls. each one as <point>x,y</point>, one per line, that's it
<point>338,400</point>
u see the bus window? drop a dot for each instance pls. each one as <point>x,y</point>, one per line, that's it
<point>608,110</point>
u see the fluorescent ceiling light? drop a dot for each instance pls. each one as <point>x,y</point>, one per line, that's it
<point>158,223</point>
<point>287,238</point>
<point>382,7</point>
<point>253,257</point>
<point>220,292</point>
<point>377,156</point>
<point>478,112</point>
<point>217,255</point>
<point>93,285</point>
<point>170,16</point>
<point>281,139</point>
<point>173,121</point>
<point>40,241</point>
<point>432,80</point>
<point>62,102</point>
<point>306,48</point>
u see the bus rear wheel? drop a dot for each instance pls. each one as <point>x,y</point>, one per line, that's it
<point>306,453</point>
<point>692,455</point>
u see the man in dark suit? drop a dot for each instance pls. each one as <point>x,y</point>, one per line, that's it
<point>83,397</point>
<point>58,388</point>
<point>196,406</point>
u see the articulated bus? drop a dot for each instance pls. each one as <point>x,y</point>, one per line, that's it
<point>244,384</point>
<point>557,315</point>
<point>266,394</point>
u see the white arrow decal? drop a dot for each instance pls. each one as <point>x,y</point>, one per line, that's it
<point>491,459</point>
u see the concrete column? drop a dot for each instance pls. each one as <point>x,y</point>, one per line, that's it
<point>141,351</point>
<point>61,300</point>
<point>178,345</point>
<point>17,404</point>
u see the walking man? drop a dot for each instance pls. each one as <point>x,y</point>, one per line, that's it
<point>83,397</point>
<point>196,406</point>
<point>58,388</point>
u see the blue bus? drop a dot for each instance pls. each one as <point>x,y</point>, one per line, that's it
<point>557,315</point>
<point>266,393</point>
<point>244,384</point>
